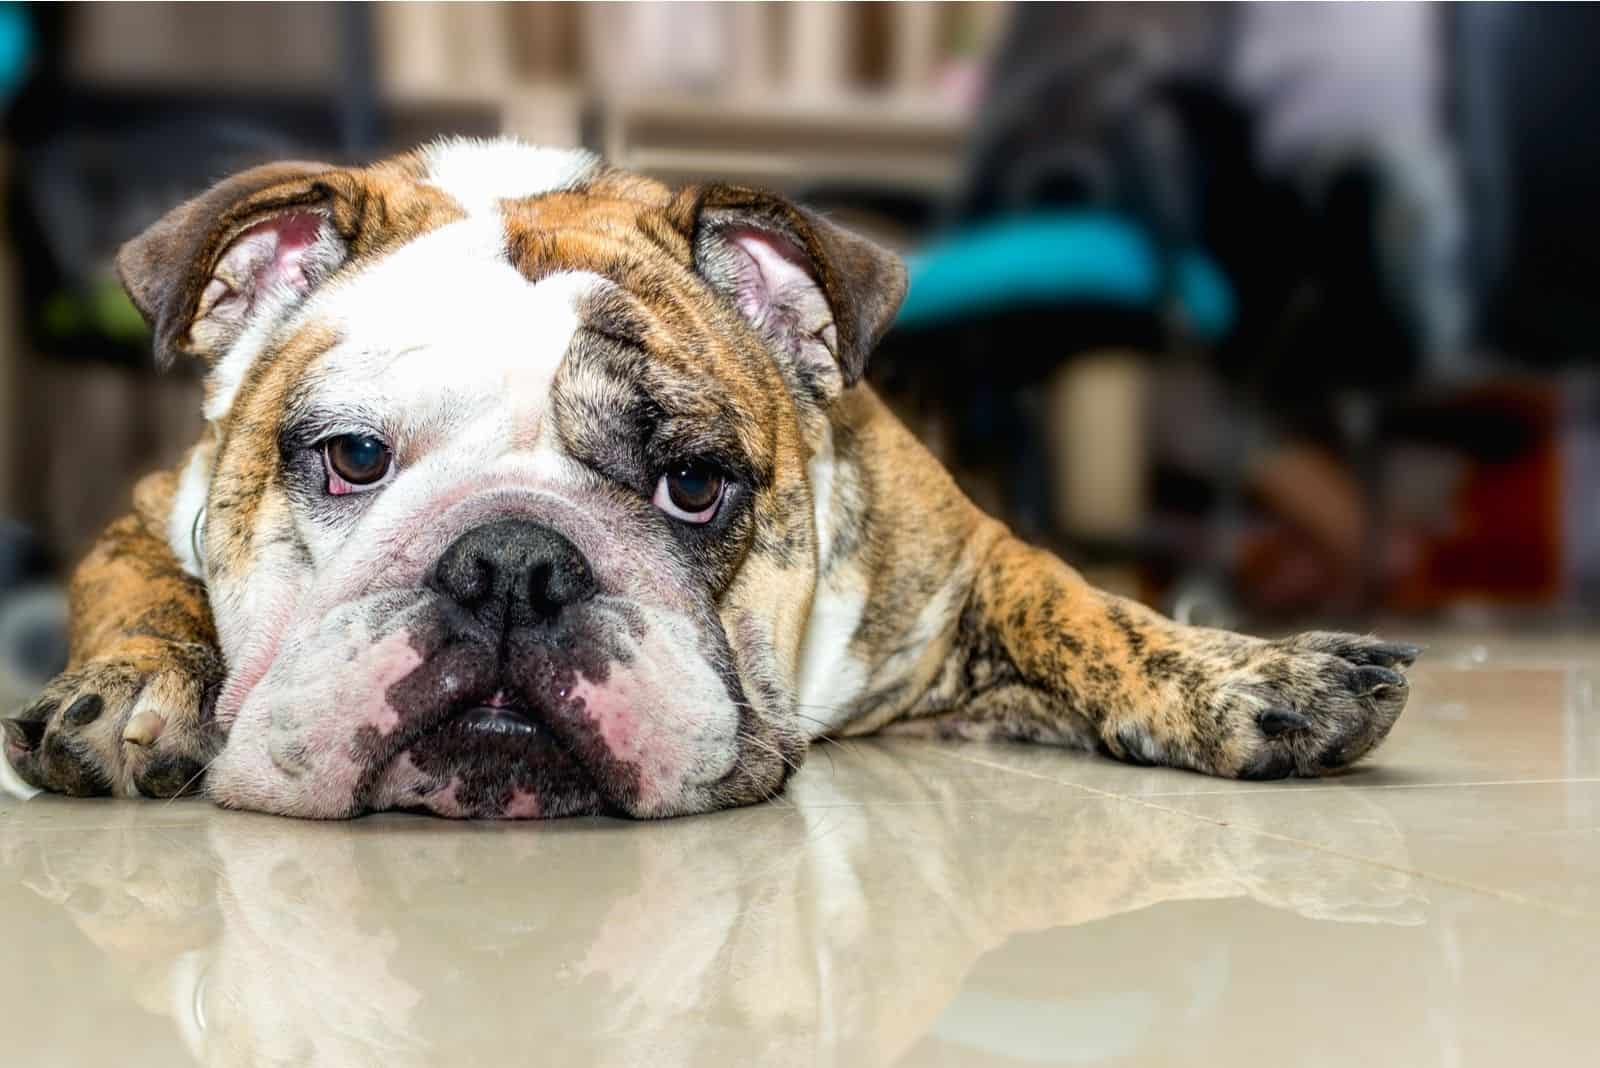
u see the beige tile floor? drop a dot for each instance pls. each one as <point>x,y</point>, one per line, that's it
<point>906,903</point>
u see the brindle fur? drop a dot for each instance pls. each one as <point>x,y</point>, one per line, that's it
<point>1032,652</point>
<point>141,643</point>
<point>964,631</point>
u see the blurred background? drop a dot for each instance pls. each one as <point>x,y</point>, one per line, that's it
<point>1262,312</point>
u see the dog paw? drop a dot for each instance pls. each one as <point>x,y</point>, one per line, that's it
<point>1310,704</point>
<point>136,726</point>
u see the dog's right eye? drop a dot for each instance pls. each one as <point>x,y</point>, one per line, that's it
<point>690,492</point>
<point>356,463</point>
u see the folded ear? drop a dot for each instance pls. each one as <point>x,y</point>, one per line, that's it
<point>262,238</point>
<point>818,295</point>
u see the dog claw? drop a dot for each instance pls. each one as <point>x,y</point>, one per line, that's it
<point>143,727</point>
<point>1371,679</point>
<point>1389,654</point>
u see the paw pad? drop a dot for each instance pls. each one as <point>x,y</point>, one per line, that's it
<point>129,727</point>
<point>144,727</point>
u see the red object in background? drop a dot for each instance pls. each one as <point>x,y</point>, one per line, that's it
<point>1495,533</point>
<point>1504,540</point>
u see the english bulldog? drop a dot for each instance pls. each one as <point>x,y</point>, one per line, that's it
<point>532,487</point>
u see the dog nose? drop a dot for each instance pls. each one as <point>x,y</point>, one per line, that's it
<point>513,573</point>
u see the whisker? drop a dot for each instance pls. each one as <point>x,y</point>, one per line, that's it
<point>821,742</point>
<point>767,746</point>
<point>769,794</point>
<point>193,779</point>
<point>825,724</point>
<point>773,793</point>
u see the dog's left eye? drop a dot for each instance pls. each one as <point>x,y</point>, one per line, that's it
<point>356,463</point>
<point>690,491</point>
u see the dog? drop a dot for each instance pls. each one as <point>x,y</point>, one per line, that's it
<point>532,487</point>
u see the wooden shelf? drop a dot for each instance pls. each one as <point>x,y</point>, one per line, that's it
<point>774,139</point>
<point>770,139</point>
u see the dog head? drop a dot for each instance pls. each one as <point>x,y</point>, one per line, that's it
<point>504,508</point>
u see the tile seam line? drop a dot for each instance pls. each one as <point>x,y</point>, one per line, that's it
<point>167,822</point>
<point>1508,896</point>
<point>1374,787</point>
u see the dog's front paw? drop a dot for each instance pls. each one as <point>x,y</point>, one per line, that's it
<point>130,726</point>
<point>1309,704</point>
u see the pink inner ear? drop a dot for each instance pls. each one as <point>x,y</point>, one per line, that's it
<point>295,233</point>
<point>775,289</point>
<point>775,267</point>
<point>268,255</point>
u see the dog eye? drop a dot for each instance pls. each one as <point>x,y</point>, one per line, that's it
<point>355,462</point>
<point>690,491</point>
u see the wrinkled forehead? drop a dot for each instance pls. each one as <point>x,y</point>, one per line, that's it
<point>445,320</point>
<point>477,303</point>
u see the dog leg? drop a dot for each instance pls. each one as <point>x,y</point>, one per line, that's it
<point>1042,655</point>
<point>130,715</point>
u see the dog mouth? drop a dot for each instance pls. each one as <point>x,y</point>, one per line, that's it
<point>481,732</point>
<point>495,750</point>
<point>500,717</point>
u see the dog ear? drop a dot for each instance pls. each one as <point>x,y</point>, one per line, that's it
<point>818,295</point>
<point>262,238</point>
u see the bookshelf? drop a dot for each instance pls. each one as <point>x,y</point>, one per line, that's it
<point>760,92</point>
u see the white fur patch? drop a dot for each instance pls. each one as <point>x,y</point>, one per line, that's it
<point>444,331</point>
<point>445,323</point>
<point>480,173</point>
<point>830,679</point>
<point>183,530</point>
<point>11,784</point>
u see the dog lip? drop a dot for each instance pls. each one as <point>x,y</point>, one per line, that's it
<point>499,743</point>
<point>467,717</point>
<point>491,720</point>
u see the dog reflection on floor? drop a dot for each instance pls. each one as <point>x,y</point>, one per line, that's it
<point>822,932</point>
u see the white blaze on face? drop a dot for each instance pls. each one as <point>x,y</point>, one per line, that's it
<point>446,337</point>
<point>480,174</point>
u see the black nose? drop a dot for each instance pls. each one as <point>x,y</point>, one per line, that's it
<point>513,573</point>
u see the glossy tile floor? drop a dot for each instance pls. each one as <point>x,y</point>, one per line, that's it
<point>906,903</point>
